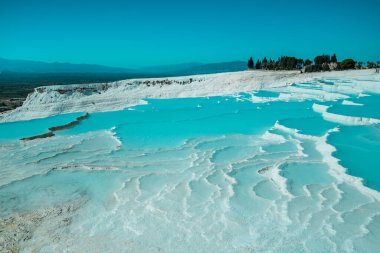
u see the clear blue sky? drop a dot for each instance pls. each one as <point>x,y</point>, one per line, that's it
<point>136,33</point>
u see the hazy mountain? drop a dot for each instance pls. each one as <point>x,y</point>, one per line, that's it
<point>197,68</point>
<point>169,68</point>
<point>22,66</point>
<point>37,67</point>
<point>214,68</point>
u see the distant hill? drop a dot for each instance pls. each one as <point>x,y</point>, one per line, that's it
<point>197,68</point>
<point>37,67</point>
<point>18,78</point>
<point>22,66</point>
<point>213,68</point>
<point>173,68</point>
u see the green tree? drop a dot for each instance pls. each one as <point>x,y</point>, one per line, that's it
<point>371,65</point>
<point>307,62</point>
<point>333,58</point>
<point>258,64</point>
<point>250,63</point>
<point>300,63</point>
<point>319,60</point>
<point>264,63</point>
<point>348,64</point>
<point>290,63</point>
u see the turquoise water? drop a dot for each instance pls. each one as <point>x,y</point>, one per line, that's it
<point>370,107</point>
<point>20,129</point>
<point>359,151</point>
<point>175,120</point>
<point>217,174</point>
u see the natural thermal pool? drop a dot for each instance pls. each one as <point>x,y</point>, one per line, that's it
<point>267,171</point>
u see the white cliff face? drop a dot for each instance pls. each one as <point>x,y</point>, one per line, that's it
<point>53,100</point>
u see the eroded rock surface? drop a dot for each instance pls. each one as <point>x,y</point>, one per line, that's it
<point>19,228</point>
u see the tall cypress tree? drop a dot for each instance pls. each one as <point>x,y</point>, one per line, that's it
<point>258,64</point>
<point>250,63</point>
<point>264,63</point>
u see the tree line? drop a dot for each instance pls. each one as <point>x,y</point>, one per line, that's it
<point>321,63</point>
